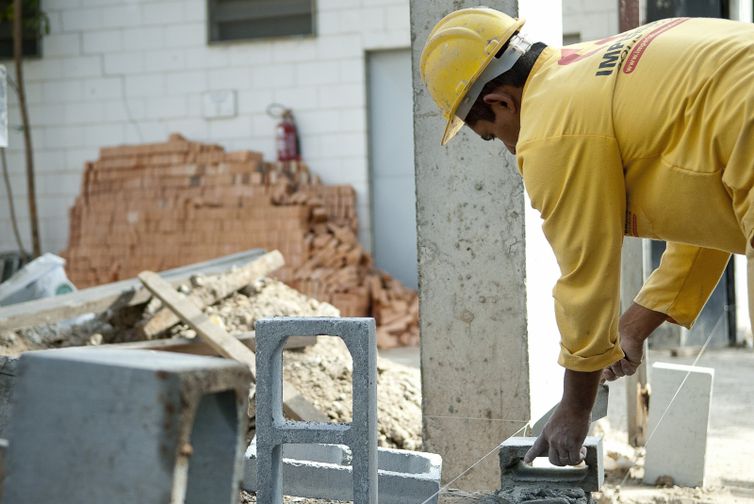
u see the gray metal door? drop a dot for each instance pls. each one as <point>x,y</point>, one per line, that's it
<point>391,159</point>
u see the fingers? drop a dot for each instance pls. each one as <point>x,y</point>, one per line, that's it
<point>608,375</point>
<point>556,457</point>
<point>566,456</point>
<point>622,368</point>
<point>538,449</point>
<point>627,367</point>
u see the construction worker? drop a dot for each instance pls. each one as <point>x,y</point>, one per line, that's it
<point>647,133</point>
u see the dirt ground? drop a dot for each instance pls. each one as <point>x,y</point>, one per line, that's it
<point>323,375</point>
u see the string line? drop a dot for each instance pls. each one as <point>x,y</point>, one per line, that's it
<point>527,422</point>
<point>472,466</point>
<point>508,420</point>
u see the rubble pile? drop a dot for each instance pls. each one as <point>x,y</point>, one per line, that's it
<point>322,372</point>
<point>159,206</point>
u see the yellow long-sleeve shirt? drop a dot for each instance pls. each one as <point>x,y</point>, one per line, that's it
<point>648,133</point>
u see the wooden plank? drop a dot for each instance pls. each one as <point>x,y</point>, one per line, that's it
<point>196,346</point>
<point>214,335</point>
<point>216,289</point>
<point>296,406</point>
<point>111,296</point>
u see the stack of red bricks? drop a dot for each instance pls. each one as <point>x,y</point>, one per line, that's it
<point>159,206</point>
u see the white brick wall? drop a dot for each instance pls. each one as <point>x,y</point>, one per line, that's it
<point>123,71</point>
<point>590,19</point>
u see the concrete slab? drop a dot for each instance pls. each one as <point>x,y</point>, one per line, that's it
<point>515,473</point>
<point>324,472</point>
<point>677,446</point>
<point>141,426</point>
<point>274,431</point>
<point>8,369</point>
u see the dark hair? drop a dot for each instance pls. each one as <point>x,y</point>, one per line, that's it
<point>516,76</point>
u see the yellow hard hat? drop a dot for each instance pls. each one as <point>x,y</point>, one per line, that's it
<point>459,49</point>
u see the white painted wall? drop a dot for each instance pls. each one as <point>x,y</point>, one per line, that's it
<point>590,19</point>
<point>543,23</point>
<point>128,71</point>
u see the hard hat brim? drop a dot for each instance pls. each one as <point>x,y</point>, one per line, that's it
<point>454,125</point>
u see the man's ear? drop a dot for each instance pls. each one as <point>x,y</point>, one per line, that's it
<point>503,99</point>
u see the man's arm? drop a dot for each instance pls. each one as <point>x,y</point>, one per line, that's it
<point>683,282</point>
<point>576,182</point>
<point>676,292</point>
<point>636,324</point>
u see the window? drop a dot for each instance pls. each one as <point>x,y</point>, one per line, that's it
<point>252,19</point>
<point>33,17</point>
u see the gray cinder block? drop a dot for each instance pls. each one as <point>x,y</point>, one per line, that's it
<point>8,367</point>
<point>515,473</point>
<point>324,472</point>
<point>3,450</point>
<point>126,426</point>
<point>273,431</point>
<point>678,445</point>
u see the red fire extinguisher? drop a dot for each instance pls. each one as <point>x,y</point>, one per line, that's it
<point>286,134</point>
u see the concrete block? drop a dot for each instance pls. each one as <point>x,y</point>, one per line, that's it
<point>186,35</point>
<point>62,44</point>
<point>398,17</point>
<point>3,451</point>
<point>144,38</point>
<point>515,473</point>
<point>324,472</point>
<point>124,63</point>
<point>163,13</point>
<point>124,426</point>
<point>82,19</point>
<point>342,96</point>
<point>108,87</point>
<point>164,60</point>
<point>149,85</point>
<point>106,41</point>
<point>8,369</point>
<point>678,444</point>
<point>121,16</point>
<point>273,431</point>
<point>81,66</point>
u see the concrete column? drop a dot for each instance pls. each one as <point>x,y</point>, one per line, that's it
<point>472,249</point>
<point>741,10</point>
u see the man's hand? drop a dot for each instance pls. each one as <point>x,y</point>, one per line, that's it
<point>635,326</point>
<point>563,437</point>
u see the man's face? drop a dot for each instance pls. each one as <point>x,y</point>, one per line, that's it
<point>504,132</point>
<point>506,126</point>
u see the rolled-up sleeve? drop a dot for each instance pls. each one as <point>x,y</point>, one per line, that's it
<point>683,282</point>
<point>576,183</point>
